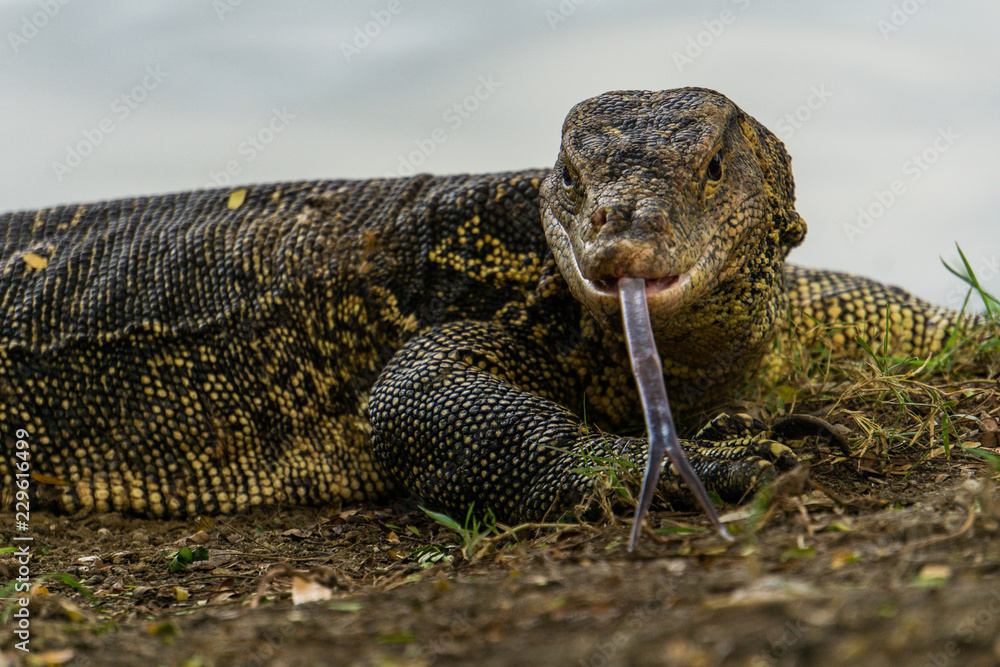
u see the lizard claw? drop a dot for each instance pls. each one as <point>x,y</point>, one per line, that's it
<point>734,454</point>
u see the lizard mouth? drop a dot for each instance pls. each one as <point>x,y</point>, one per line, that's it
<point>663,292</point>
<point>653,285</point>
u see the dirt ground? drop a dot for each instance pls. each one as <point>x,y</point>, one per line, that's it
<point>887,556</point>
<point>914,578</point>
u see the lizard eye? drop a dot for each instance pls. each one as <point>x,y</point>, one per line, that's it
<point>568,181</point>
<point>715,167</point>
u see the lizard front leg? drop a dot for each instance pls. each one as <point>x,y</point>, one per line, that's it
<point>467,413</point>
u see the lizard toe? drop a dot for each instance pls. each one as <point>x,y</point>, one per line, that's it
<point>733,471</point>
<point>736,481</point>
<point>781,455</point>
<point>729,427</point>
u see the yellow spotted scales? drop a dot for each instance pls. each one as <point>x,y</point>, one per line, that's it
<point>443,337</point>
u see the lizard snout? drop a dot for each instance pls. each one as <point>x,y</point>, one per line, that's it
<point>623,221</point>
<point>622,241</point>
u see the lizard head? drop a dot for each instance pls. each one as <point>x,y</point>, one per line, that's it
<point>679,187</point>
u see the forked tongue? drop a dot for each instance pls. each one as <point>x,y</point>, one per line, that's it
<point>659,422</point>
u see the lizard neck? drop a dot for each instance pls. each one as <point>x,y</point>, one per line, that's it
<point>709,353</point>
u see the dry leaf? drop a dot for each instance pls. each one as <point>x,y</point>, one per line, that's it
<point>768,590</point>
<point>236,198</point>
<point>139,591</point>
<point>933,575</point>
<point>221,597</point>
<point>162,629</point>
<point>304,591</point>
<point>201,537</point>
<point>204,523</point>
<point>842,558</point>
<point>35,261</point>
<point>296,532</point>
<point>48,658</point>
<point>737,514</point>
<point>48,479</point>
<point>988,433</point>
<point>537,580</point>
<point>70,610</point>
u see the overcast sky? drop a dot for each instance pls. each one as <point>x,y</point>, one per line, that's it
<point>890,107</point>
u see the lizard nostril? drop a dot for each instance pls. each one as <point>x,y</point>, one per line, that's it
<point>599,217</point>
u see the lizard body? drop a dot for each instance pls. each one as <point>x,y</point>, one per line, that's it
<point>313,342</point>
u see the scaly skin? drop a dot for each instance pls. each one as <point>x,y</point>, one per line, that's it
<point>441,336</point>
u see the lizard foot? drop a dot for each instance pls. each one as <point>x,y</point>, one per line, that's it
<point>733,454</point>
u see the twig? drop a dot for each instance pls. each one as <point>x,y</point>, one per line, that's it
<point>844,502</point>
<point>937,539</point>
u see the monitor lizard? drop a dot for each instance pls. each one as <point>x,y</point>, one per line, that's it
<point>455,338</point>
